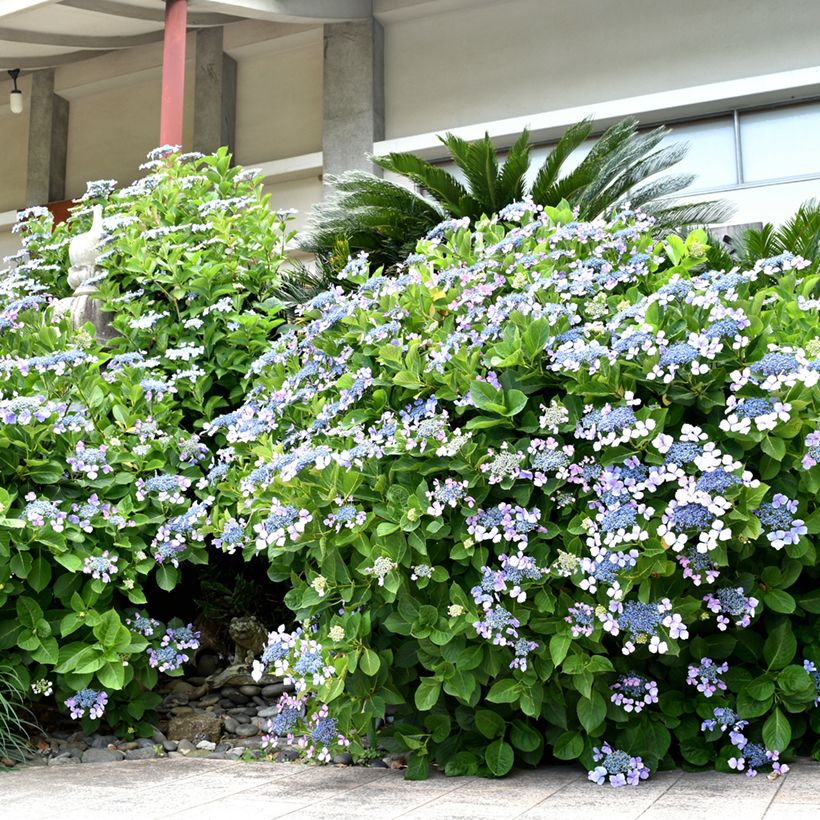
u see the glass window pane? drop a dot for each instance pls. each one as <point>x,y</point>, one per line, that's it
<point>711,154</point>
<point>783,142</point>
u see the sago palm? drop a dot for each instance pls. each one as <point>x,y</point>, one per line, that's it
<point>799,235</point>
<point>368,213</point>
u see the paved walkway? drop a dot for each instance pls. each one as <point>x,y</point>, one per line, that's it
<point>223,790</point>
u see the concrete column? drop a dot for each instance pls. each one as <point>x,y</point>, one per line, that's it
<point>353,94</point>
<point>214,93</point>
<point>47,141</point>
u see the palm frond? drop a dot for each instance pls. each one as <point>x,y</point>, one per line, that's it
<point>371,214</point>
<point>683,216</point>
<point>760,244</point>
<point>479,163</point>
<point>801,233</point>
<point>513,171</point>
<point>433,179</point>
<point>544,184</point>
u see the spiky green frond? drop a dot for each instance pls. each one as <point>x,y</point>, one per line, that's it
<point>432,179</point>
<point>478,161</point>
<point>543,189</point>
<point>681,216</point>
<point>801,233</point>
<point>511,180</point>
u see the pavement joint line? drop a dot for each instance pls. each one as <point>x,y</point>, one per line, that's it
<point>774,794</point>
<point>256,785</point>
<point>331,797</point>
<point>224,794</point>
<point>673,783</point>
<point>550,796</point>
<point>455,788</point>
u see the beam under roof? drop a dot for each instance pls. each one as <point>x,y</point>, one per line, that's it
<point>293,11</point>
<point>46,60</point>
<point>79,41</point>
<point>133,12</point>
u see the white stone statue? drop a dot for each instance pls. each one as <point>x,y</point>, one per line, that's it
<point>83,251</point>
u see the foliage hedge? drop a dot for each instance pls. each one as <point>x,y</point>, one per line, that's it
<point>551,486</point>
<point>100,445</point>
<point>547,491</point>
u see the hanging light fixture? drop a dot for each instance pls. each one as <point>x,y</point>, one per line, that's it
<point>16,96</point>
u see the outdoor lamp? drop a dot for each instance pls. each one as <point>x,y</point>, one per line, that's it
<point>16,96</point>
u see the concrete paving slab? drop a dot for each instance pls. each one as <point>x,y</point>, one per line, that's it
<point>223,790</point>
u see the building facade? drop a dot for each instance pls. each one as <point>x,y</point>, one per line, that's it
<point>301,88</point>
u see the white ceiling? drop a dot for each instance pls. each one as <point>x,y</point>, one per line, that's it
<point>42,33</point>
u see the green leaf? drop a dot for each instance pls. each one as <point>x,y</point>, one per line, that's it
<point>108,629</point>
<point>559,646</point>
<point>695,751</point>
<point>774,447</point>
<point>779,601</point>
<point>369,662</point>
<point>777,732</point>
<point>591,711</point>
<point>39,575</point>
<point>499,758</point>
<point>427,694</point>
<point>112,675</point>
<point>504,691</point>
<point>72,562</point>
<point>418,767</point>
<point>489,723</point>
<point>514,402</point>
<point>486,397</point>
<point>780,646</point>
<point>523,737</point>
<point>48,652</point>
<point>28,612</point>
<point>569,746</point>
<point>167,577</point>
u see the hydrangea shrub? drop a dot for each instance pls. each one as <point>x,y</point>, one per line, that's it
<point>549,492</point>
<point>101,447</point>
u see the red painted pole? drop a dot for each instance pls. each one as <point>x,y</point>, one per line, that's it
<point>173,72</point>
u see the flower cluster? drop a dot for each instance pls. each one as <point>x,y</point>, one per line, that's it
<point>777,519</point>
<point>101,567</point>
<point>632,692</point>
<point>644,623</point>
<point>90,461</point>
<point>172,653</point>
<point>617,767</point>
<point>731,604</point>
<point>706,676</point>
<point>87,701</point>
<point>752,756</point>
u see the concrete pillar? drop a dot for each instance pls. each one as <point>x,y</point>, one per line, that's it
<point>214,93</point>
<point>47,141</point>
<point>353,94</point>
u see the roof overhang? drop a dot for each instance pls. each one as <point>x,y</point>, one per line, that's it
<point>45,33</point>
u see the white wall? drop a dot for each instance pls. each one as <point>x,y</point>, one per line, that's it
<point>517,57</point>
<point>279,103</point>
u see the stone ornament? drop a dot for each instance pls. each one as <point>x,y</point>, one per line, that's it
<point>82,307</point>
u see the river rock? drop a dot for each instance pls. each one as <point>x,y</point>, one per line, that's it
<point>94,755</point>
<point>250,691</point>
<point>141,754</point>
<point>247,731</point>
<point>231,725</point>
<point>197,726</point>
